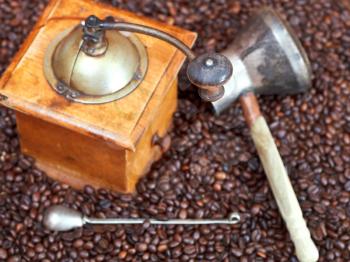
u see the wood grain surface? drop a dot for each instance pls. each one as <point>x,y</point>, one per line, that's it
<point>27,90</point>
<point>107,145</point>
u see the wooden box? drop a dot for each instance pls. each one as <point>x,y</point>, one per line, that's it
<point>107,145</point>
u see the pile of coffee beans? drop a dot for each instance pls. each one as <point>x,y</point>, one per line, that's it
<point>211,168</point>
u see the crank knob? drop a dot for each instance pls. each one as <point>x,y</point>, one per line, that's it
<point>210,72</point>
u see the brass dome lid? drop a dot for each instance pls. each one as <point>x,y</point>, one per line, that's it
<point>111,73</point>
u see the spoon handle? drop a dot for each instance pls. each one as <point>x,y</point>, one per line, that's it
<point>233,219</point>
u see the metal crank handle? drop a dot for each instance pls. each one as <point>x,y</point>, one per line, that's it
<point>280,184</point>
<point>209,71</point>
<point>61,218</point>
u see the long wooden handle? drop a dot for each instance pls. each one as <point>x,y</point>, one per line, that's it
<point>279,181</point>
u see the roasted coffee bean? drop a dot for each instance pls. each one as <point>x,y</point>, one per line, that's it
<point>3,253</point>
<point>210,167</point>
<point>189,249</point>
<point>141,247</point>
<point>78,243</point>
<point>14,259</point>
<point>103,244</point>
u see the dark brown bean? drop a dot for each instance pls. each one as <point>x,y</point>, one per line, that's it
<point>3,253</point>
<point>141,247</point>
<point>189,249</point>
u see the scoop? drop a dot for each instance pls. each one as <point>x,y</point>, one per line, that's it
<point>61,218</point>
<point>268,59</point>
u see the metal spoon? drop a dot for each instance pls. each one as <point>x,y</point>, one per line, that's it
<point>61,218</point>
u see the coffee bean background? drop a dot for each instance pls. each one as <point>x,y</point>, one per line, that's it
<point>211,168</point>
